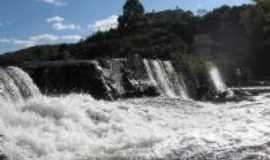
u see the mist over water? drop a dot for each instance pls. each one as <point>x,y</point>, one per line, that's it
<point>217,79</point>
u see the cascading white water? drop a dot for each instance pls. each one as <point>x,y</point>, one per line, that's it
<point>162,79</point>
<point>23,81</point>
<point>149,71</point>
<point>163,75</point>
<point>216,78</point>
<point>180,88</point>
<point>15,85</point>
<point>9,90</point>
<point>108,89</point>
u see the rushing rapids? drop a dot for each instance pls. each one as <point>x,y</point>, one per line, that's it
<point>78,127</point>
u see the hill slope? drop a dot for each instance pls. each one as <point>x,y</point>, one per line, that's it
<point>231,36</point>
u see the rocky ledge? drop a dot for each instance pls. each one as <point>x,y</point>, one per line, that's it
<point>103,79</point>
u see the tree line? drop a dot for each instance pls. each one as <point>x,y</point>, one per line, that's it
<point>236,37</point>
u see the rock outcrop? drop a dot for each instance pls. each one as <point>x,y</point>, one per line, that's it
<point>103,79</point>
<point>109,78</point>
<point>64,77</point>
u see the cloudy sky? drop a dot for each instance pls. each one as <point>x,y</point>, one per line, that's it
<point>25,23</point>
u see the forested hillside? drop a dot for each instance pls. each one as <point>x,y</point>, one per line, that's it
<point>234,37</point>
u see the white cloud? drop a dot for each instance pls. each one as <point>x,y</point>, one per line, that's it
<point>17,42</point>
<point>55,19</point>
<point>5,40</point>
<point>71,38</point>
<point>44,38</point>
<point>47,38</point>
<point>54,2</point>
<point>61,26</point>
<point>57,23</point>
<point>24,43</point>
<point>40,40</point>
<point>105,24</point>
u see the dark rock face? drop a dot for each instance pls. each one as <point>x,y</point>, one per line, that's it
<point>66,77</point>
<point>3,157</point>
<point>111,79</point>
<point>128,78</point>
<point>103,79</point>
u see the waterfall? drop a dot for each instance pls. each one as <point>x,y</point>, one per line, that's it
<point>180,88</point>
<point>15,84</point>
<point>103,81</point>
<point>163,75</point>
<point>149,71</point>
<point>162,79</point>
<point>8,88</point>
<point>216,78</point>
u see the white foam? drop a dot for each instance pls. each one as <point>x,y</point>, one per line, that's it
<point>79,127</point>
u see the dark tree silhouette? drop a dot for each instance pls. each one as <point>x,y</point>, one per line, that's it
<point>132,10</point>
<point>263,8</point>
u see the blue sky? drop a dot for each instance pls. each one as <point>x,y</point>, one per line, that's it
<point>25,23</point>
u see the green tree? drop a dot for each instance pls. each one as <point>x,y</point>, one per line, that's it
<point>263,7</point>
<point>132,10</point>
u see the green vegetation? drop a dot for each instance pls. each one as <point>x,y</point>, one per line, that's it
<point>132,10</point>
<point>193,70</point>
<point>234,37</point>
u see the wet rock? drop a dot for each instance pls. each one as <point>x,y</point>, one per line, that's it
<point>232,96</point>
<point>70,76</point>
<point>3,157</point>
<point>103,79</point>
